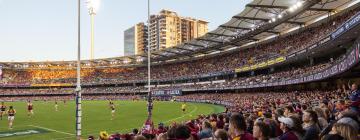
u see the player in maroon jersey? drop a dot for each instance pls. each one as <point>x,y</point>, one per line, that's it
<point>2,110</point>
<point>30,108</point>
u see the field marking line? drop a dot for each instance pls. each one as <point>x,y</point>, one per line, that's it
<point>51,129</point>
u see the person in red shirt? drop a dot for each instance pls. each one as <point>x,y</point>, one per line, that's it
<point>30,108</point>
<point>2,110</point>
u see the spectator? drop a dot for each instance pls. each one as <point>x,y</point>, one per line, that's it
<point>221,134</point>
<point>345,131</point>
<point>237,128</point>
<point>321,117</point>
<point>311,125</point>
<point>286,125</point>
<point>261,131</point>
<point>206,131</point>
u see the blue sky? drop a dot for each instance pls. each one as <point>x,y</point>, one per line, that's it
<point>41,30</point>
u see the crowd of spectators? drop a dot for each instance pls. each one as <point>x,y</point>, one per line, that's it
<point>289,115</point>
<point>276,115</point>
<point>284,115</point>
<point>280,75</point>
<point>282,45</point>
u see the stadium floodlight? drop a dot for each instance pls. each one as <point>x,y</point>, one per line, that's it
<point>298,4</point>
<point>273,19</point>
<point>93,7</point>
<point>126,61</point>
<point>280,16</point>
<point>292,9</point>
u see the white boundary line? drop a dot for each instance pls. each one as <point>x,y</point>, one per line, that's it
<point>51,130</point>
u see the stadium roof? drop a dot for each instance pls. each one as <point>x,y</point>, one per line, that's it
<point>260,20</point>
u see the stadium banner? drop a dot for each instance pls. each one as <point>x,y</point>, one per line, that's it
<point>15,85</point>
<point>301,52</point>
<point>352,22</point>
<point>291,55</point>
<point>313,46</point>
<point>325,40</point>
<point>253,67</point>
<point>206,101</point>
<point>280,59</point>
<point>166,92</point>
<point>246,68</point>
<point>51,85</point>
<point>270,62</point>
<point>1,72</point>
<point>263,64</point>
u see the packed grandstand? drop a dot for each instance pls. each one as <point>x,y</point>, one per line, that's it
<point>301,84</point>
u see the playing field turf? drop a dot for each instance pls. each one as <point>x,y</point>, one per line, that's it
<point>96,118</point>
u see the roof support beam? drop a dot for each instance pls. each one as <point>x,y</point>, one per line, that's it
<point>157,53</point>
<point>264,19</point>
<point>133,58</point>
<point>196,45</point>
<point>285,7</point>
<point>234,27</point>
<point>181,48</point>
<point>273,32</point>
<point>216,34</point>
<point>177,53</point>
<point>253,39</point>
<point>209,40</point>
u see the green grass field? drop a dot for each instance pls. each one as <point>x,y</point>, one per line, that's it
<point>96,117</point>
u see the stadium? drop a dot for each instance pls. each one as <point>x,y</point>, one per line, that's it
<point>286,70</point>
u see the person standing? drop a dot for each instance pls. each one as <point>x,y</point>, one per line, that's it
<point>30,108</point>
<point>11,116</point>
<point>2,110</point>
<point>183,107</point>
<point>311,125</point>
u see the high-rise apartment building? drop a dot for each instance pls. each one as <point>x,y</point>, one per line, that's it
<point>135,39</point>
<point>166,29</point>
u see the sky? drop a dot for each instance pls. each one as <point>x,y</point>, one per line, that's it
<point>46,30</point>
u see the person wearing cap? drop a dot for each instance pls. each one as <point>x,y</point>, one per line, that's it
<point>286,125</point>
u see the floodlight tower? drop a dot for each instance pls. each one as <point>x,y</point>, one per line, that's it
<point>93,7</point>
